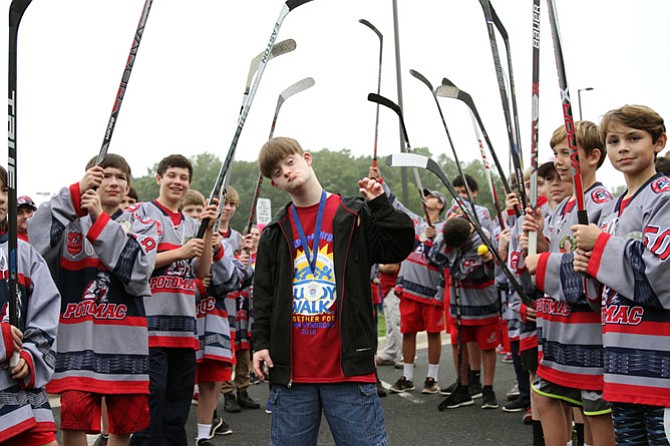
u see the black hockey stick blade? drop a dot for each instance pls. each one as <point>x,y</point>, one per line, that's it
<point>372,27</point>
<point>292,4</point>
<point>422,78</point>
<point>381,100</point>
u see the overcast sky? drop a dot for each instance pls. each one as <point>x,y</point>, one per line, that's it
<point>186,87</point>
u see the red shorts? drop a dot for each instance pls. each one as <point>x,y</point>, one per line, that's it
<point>210,371</point>
<point>80,411</point>
<point>30,437</point>
<point>485,335</point>
<point>416,316</point>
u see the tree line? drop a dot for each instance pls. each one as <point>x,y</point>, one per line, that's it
<point>338,171</point>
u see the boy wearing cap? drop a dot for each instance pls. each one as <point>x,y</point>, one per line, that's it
<point>420,287</point>
<point>25,209</point>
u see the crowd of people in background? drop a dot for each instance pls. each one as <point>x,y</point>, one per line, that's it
<point>133,311</point>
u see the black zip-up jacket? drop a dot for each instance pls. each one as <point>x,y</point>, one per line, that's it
<point>363,234</point>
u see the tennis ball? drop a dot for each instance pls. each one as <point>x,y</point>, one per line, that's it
<point>482,250</point>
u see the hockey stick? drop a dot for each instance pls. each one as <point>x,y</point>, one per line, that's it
<point>508,49</point>
<point>449,90</point>
<point>283,47</point>
<point>299,86</point>
<point>118,101</point>
<point>381,100</point>
<point>427,83</point>
<point>511,134</point>
<point>423,162</point>
<point>219,189</point>
<point>16,11</point>
<point>487,170</point>
<point>379,84</point>
<point>577,182</point>
<point>534,125</point>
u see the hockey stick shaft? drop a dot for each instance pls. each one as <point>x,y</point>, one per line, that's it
<point>514,149</point>
<point>508,50</point>
<point>577,182</point>
<point>118,101</point>
<point>381,100</point>
<point>379,84</point>
<point>487,170</point>
<point>420,161</point>
<point>219,189</point>
<point>16,11</point>
<point>299,86</point>
<point>535,118</point>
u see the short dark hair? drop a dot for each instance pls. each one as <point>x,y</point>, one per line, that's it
<point>115,161</point>
<point>663,165</point>
<point>472,183</point>
<point>132,193</point>
<point>456,232</point>
<point>175,161</point>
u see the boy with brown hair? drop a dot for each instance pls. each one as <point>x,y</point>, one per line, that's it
<point>570,369</point>
<point>627,254</point>
<point>101,259</point>
<point>314,325</point>
<point>170,308</point>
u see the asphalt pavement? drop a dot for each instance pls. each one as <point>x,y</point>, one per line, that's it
<point>412,418</point>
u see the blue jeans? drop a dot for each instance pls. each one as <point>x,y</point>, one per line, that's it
<point>636,424</point>
<point>353,412</point>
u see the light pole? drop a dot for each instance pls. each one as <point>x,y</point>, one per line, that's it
<point>579,99</point>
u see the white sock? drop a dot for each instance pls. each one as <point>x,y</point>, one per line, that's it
<point>569,443</point>
<point>408,371</point>
<point>432,371</point>
<point>203,431</point>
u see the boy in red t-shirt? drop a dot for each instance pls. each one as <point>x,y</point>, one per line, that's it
<point>314,326</point>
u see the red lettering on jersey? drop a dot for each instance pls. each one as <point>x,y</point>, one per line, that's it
<point>98,311</point>
<point>657,242</point>
<point>623,315</point>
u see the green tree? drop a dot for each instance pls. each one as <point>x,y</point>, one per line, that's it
<point>338,171</point>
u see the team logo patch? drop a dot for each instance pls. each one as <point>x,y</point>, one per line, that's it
<point>601,196</point>
<point>75,243</point>
<point>661,185</point>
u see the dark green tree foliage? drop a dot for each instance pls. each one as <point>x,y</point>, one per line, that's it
<point>338,171</point>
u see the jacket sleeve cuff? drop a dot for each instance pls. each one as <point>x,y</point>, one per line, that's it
<point>97,227</point>
<point>597,255</point>
<point>541,271</point>
<point>201,288</point>
<point>523,312</point>
<point>7,339</point>
<point>218,255</point>
<point>29,381</point>
<point>75,196</point>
